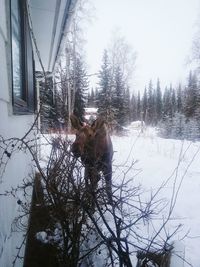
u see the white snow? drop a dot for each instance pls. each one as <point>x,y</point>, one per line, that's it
<point>42,237</point>
<point>49,237</point>
<point>160,160</point>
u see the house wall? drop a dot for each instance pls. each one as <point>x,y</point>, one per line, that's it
<point>19,165</point>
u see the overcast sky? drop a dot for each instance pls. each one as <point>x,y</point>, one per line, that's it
<point>161,31</point>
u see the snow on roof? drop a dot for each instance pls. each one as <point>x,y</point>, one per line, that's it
<point>136,124</point>
<point>91,110</point>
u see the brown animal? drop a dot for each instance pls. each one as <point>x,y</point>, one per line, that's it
<point>93,145</point>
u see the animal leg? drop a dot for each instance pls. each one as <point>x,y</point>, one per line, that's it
<point>91,178</point>
<point>108,180</point>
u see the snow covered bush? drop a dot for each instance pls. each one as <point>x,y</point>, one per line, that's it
<point>179,127</point>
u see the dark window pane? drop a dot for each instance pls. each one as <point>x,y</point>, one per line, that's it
<point>22,59</point>
<point>16,49</point>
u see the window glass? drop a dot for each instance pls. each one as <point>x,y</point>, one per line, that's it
<point>22,60</point>
<point>16,49</point>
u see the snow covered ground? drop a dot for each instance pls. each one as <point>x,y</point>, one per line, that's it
<point>173,166</point>
<point>177,164</point>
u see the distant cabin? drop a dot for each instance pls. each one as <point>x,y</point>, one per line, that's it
<point>137,125</point>
<point>90,114</point>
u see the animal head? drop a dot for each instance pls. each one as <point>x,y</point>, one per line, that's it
<point>86,137</point>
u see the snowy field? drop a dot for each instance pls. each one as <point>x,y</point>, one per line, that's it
<point>172,169</point>
<point>176,165</point>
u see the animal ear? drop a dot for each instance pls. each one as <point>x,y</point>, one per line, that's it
<point>76,124</point>
<point>98,124</point>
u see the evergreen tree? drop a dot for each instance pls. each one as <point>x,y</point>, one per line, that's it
<point>179,100</point>
<point>81,88</point>
<point>158,102</point>
<point>144,105</point>
<point>173,101</point>
<point>105,96</point>
<point>96,96</point>
<point>138,106</point>
<point>118,96</point>
<point>150,104</point>
<point>191,96</point>
<point>127,106</point>
<point>91,99</point>
<point>167,106</point>
<point>133,108</point>
<point>47,112</point>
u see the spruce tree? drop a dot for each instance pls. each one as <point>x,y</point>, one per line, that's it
<point>105,94</point>
<point>133,108</point>
<point>191,96</point>
<point>127,106</point>
<point>81,88</point>
<point>91,99</point>
<point>179,99</point>
<point>167,104</point>
<point>47,112</point>
<point>173,105</point>
<point>150,104</point>
<point>138,106</point>
<point>158,102</point>
<point>118,96</point>
<point>144,105</point>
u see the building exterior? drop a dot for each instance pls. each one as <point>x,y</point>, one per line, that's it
<point>90,114</point>
<point>18,100</point>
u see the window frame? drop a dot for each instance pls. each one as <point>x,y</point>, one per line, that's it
<point>27,103</point>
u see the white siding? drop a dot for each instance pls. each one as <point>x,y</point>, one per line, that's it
<point>3,20</point>
<point>19,165</point>
<point>4,93</point>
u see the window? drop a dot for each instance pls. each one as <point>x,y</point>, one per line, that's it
<point>22,60</point>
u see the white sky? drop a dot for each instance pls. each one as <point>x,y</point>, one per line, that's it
<point>161,31</point>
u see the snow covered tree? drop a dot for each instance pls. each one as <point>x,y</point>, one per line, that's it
<point>127,106</point>
<point>47,111</point>
<point>118,96</point>
<point>91,99</point>
<point>173,100</point>
<point>144,104</point>
<point>113,98</point>
<point>133,108</point>
<point>179,99</point>
<point>167,106</point>
<point>81,88</point>
<point>158,103</point>
<point>105,93</point>
<point>150,104</point>
<point>139,110</point>
<point>191,96</point>
<point>61,97</point>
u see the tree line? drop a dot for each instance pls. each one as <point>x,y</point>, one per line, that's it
<point>175,111</point>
